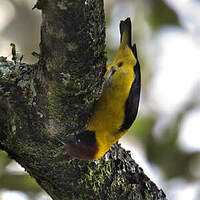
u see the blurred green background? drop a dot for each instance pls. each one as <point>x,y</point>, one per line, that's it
<point>164,139</point>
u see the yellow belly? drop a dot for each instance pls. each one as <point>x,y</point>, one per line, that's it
<point>109,110</point>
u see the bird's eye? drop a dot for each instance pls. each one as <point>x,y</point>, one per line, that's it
<point>120,64</point>
<point>78,140</point>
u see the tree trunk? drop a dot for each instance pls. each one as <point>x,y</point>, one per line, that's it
<point>55,97</point>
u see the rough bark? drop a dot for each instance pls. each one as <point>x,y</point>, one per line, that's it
<point>55,97</point>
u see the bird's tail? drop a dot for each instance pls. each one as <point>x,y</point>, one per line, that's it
<point>125,31</point>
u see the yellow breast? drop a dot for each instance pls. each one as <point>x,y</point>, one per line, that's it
<point>110,109</point>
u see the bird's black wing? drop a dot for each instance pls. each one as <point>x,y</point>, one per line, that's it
<point>132,103</point>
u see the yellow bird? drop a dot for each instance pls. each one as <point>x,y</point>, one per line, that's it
<point>116,109</point>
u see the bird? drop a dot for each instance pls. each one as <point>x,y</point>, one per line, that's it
<point>116,109</point>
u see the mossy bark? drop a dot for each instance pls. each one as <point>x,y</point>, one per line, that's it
<point>55,97</point>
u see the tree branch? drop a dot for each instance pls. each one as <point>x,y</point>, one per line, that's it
<point>55,97</point>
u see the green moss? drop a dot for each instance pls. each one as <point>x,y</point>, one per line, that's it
<point>96,176</point>
<point>72,46</point>
<point>63,5</point>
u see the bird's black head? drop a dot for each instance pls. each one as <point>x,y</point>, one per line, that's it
<point>82,146</point>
